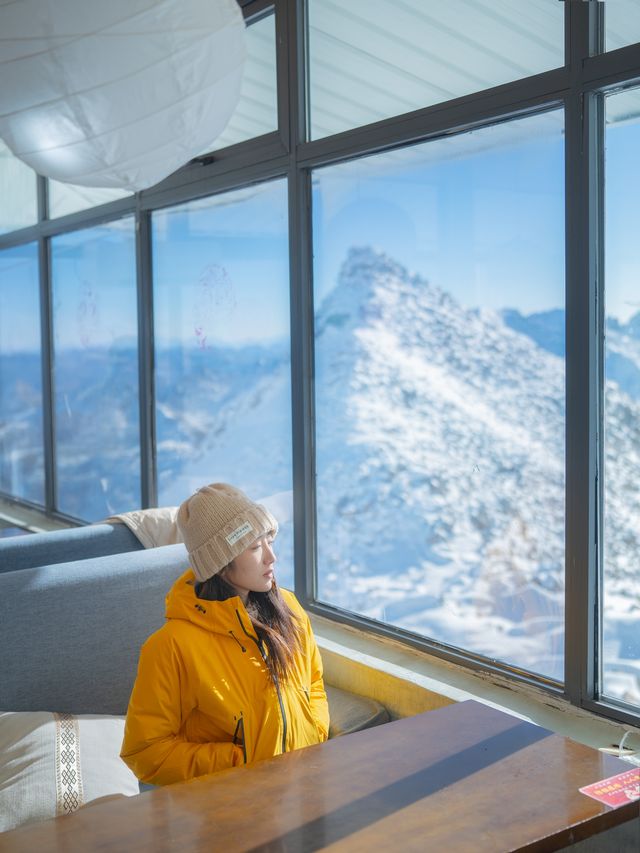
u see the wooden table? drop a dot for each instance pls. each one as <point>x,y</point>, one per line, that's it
<point>462,778</point>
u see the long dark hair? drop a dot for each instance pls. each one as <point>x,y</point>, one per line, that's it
<point>272,620</point>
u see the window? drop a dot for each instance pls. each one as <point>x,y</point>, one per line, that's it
<point>375,320</point>
<point>622,19</point>
<point>371,59</point>
<point>620,606</point>
<point>257,110</point>
<point>68,198</point>
<point>96,370</point>
<point>439,293</point>
<point>223,404</point>
<point>18,198</point>
<point>21,447</point>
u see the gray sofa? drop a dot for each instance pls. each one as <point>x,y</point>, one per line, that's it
<point>76,606</point>
<point>66,546</point>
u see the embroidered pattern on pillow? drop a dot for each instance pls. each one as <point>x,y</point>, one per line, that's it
<point>68,774</point>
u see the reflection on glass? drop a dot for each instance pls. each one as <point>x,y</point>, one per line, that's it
<point>96,370</point>
<point>620,618</point>
<point>257,110</point>
<point>622,23</point>
<point>21,447</point>
<point>372,60</point>
<point>18,192</point>
<point>440,383</point>
<point>69,198</point>
<point>221,313</point>
<point>8,532</point>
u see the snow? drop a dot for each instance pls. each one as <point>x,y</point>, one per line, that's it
<point>439,458</point>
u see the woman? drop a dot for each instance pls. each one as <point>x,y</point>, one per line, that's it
<point>234,675</point>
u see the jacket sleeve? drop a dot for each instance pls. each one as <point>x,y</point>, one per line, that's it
<point>153,747</point>
<point>317,695</point>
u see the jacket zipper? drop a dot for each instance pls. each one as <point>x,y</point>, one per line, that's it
<point>240,726</point>
<point>263,654</point>
<point>237,641</point>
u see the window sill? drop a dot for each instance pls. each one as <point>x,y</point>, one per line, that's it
<point>30,518</point>
<point>409,682</point>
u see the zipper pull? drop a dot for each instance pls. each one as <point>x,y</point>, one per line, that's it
<point>262,650</point>
<point>237,641</point>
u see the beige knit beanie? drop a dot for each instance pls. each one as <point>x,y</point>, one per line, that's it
<point>219,522</point>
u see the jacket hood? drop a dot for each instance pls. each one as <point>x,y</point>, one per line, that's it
<point>219,617</point>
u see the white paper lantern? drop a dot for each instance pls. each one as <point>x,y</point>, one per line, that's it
<point>117,93</point>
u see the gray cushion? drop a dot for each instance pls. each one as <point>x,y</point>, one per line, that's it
<point>349,712</point>
<point>63,546</point>
<point>71,633</point>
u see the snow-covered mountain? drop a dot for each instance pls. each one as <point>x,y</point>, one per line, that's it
<point>439,463</point>
<point>440,452</point>
<point>622,343</point>
<point>621,483</point>
<point>440,436</point>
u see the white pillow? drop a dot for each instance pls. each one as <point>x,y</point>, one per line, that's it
<point>153,527</point>
<point>51,764</point>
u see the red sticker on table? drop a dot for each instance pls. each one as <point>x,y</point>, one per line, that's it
<point>616,790</point>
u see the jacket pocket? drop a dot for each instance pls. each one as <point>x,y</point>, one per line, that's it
<point>305,703</point>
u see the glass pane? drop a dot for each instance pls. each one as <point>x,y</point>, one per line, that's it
<point>440,390</point>
<point>18,192</point>
<point>8,532</point>
<point>257,110</point>
<point>21,446</point>
<point>221,311</point>
<point>96,370</point>
<point>621,569</point>
<point>372,59</point>
<point>622,23</point>
<point>68,198</point>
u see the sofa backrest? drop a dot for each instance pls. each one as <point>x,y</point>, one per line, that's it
<point>64,546</point>
<point>70,633</point>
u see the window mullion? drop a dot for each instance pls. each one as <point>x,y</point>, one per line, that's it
<point>301,296</point>
<point>148,476</point>
<point>46,338</point>
<point>583,263</point>
<point>285,45</point>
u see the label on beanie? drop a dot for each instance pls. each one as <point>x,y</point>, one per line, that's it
<point>238,533</point>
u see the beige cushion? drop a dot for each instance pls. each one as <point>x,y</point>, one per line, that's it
<point>351,713</point>
<point>51,764</point>
<point>153,527</point>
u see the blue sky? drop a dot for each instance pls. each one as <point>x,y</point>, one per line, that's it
<point>479,215</point>
<point>484,223</point>
<point>19,299</point>
<point>94,287</point>
<point>622,218</point>
<point>221,269</point>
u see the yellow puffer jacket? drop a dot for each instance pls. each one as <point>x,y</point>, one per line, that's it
<point>204,699</point>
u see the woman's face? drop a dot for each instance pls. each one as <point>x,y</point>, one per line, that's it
<point>252,571</point>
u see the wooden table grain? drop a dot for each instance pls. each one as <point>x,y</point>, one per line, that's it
<point>462,778</point>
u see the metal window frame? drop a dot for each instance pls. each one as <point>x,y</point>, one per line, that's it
<point>46,353</point>
<point>146,360</point>
<point>583,178</point>
<point>578,86</point>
